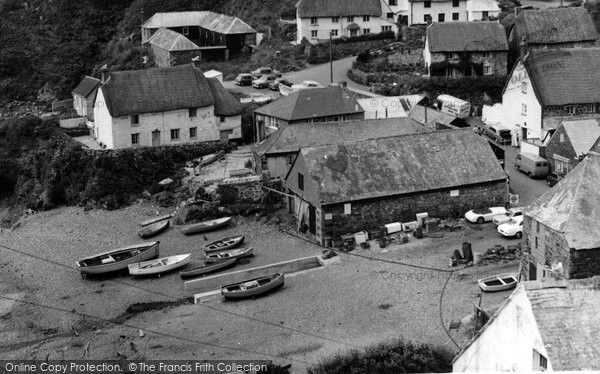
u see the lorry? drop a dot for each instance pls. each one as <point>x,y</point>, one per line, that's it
<point>454,106</point>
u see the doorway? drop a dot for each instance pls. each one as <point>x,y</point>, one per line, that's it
<point>155,137</point>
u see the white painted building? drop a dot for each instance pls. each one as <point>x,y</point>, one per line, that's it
<point>451,10</point>
<point>481,10</point>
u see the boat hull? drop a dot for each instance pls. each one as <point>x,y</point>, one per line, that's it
<point>147,251</point>
<point>207,269</point>
<point>224,244</point>
<point>228,255</point>
<point>153,229</point>
<point>205,226</point>
<point>275,281</point>
<point>159,266</point>
<point>500,282</point>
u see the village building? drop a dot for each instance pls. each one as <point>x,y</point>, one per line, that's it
<point>170,48</point>
<point>571,142</point>
<point>433,119</point>
<point>550,325</point>
<point>84,96</point>
<point>328,104</point>
<point>427,11</point>
<point>389,106</point>
<point>275,155</point>
<point>344,188</point>
<point>544,88</point>
<point>163,106</point>
<point>547,29</point>
<point>216,35</point>
<point>463,49</point>
<point>562,227</point>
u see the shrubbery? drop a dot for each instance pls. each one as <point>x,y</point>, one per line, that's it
<point>344,47</point>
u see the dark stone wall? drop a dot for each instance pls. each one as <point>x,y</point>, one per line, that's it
<point>564,149</point>
<point>585,263</point>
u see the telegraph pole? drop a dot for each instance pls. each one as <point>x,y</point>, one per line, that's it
<point>331,56</point>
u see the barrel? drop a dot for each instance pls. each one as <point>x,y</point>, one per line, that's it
<point>476,258</point>
<point>467,252</point>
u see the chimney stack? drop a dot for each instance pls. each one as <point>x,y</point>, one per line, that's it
<point>523,50</point>
<point>104,72</point>
<point>142,16</point>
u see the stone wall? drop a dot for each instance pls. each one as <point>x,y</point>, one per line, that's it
<point>374,213</point>
<point>564,149</point>
<point>585,263</point>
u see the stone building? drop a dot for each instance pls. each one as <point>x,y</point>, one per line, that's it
<point>458,49</point>
<point>170,48</point>
<point>348,187</point>
<point>571,142</point>
<point>562,228</point>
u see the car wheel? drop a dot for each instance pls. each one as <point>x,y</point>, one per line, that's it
<point>529,174</point>
<point>519,235</point>
<point>480,220</point>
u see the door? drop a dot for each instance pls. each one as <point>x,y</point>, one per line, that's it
<point>524,133</point>
<point>155,137</point>
<point>532,271</point>
<point>311,219</point>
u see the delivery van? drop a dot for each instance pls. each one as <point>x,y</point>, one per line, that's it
<point>532,165</point>
<point>454,106</point>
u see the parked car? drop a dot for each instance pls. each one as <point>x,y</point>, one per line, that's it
<point>512,228</point>
<point>532,165</point>
<point>265,70</point>
<point>553,178</point>
<point>484,215</point>
<point>264,81</point>
<point>244,79</point>
<point>498,134</point>
<point>275,84</point>
<point>511,213</point>
<point>304,85</point>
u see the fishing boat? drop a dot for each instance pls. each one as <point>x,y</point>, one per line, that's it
<point>213,224</point>
<point>224,243</point>
<point>207,268</point>
<point>225,255</point>
<point>252,287</point>
<point>500,282</point>
<point>154,220</point>
<point>153,229</point>
<point>117,259</point>
<point>160,265</point>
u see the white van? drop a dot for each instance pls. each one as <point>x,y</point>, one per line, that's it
<point>532,165</point>
<point>454,106</point>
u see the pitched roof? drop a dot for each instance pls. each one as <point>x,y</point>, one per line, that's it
<point>220,23</point>
<point>293,137</point>
<point>87,86</point>
<point>400,165</point>
<point>171,40</point>
<point>567,76</point>
<point>313,103</point>
<point>466,36</point>
<point>225,104</point>
<point>557,25</point>
<point>397,106</point>
<point>156,90</point>
<point>582,133</point>
<point>568,321</point>
<point>572,207</point>
<point>433,116</point>
<point>339,8</point>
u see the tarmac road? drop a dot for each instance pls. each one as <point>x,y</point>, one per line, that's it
<point>528,189</point>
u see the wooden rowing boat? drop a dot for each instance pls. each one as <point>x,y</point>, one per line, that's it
<point>207,268</point>
<point>153,229</point>
<point>252,287</point>
<point>117,259</point>
<point>225,255</point>
<point>205,226</point>
<point>154,220</point>
<point>500,282</point>
<point>224,243</point>
<point>161,265</point>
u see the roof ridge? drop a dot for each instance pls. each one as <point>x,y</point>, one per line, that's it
<point>575,194</point>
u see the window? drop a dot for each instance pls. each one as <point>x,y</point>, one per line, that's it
<point>135,119</point>
<point>441,17</point>
<point>524,87</point>
<point>334,33</point>
<point>348,208</point>
<point>537,227</point>
<point>185,30</point>
<point>300,181</point>
<point>562,138</point>
<point>386,28</point>
<point>175,134</point>
<point>193,132</point>
<point>366,18</point>
<point>366,31</point>
<point>313,34</point>
<point>484,14</point>
<point>455,17</point>
<point>455,3</point>
<point>487,70</point>
<point>335,19</point>
<point>314,20</point>
<point>192,112</point>
<point>427,4</point>
<point>524,109</point>
<point>390,15</point>
<point>350,19</point>
<point>222,119</point>
<point>393,2</point>
<point>426,17</point>
<point>540,363</point>
<point>135,139</point>
<point>536,242</point>
<point>487,54</point>
<point>289,159</point>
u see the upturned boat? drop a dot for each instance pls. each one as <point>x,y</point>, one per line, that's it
<point>205,226</point>
<point>207,268</point>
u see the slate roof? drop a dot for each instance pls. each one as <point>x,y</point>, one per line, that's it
<point>582,133</point>
<point>313,103</point>
<point>340,8</point>
<point>572,207</point>
<point>293,137</point>
<point>466,36</point>
<point>399,165</point>
<point>568,321</point>
<point>225,104</point>
<point>567,76</point>
<point>558,25</point>
<point>433,116</point>
<point>171,41</point>
<point>87,86</point>
<point>220,23</point>
<point>156,90</point>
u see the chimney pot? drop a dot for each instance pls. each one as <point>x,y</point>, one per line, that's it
<point>104,72</point>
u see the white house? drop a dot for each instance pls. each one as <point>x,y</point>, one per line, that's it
<point>543,326</point>
<point>451,10</point>
<point>163,106</point>
<point>316,20</point>
<point>83,98</point>
<point>481,10</point>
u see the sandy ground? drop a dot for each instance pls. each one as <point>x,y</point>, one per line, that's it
<point>359,301</point>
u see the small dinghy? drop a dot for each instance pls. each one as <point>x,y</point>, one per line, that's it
<point>160,265</point>
<point>213,224</point>
<point>207,268</point>
<point>500,282</point>
<point>252,287</point>
<point>153,229</point>
<point>155,219</point>
<point>224,244</point>
<point>226,255</point>
<point>117,259</point>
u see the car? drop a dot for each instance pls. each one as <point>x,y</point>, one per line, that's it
<point>485,214</point>
<point>264,81</point>
<point>275,84</point>
<point>513,228</point>
<point>511,213</point>
<point>497,133</point>
<point>244,79</point>
<point>553,178</point>
<point>304,85</point>
<point>265,70</point>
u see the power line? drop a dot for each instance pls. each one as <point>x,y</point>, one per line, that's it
<point>441,316</point>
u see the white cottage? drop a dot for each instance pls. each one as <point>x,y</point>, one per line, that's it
<point>163,106</point>
<point>420,11</point>
<point>84,96</point>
